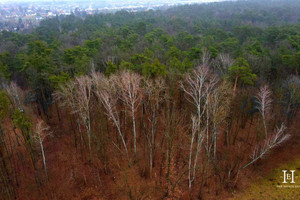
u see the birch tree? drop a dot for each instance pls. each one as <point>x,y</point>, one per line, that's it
<point>195,125</point>
<point>16,94</point>
<point>197,86</point>
<point>131,94</point>
<point>218,107</point>
<point>83,98</point>
<point>105,90</point>
<point>41,133</point>
<point>264,104</point>
<point>66,96</point>
<point>279,135</point>
<point>273,141</point>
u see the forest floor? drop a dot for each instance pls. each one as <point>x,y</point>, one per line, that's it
<point>266,182</point>
<point>69,177</point>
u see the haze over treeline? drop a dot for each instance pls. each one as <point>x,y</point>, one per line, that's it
<point>183,103</point>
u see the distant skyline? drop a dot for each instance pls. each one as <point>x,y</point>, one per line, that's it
<point>108,1</point>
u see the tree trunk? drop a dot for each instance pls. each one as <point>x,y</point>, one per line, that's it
<point>134,129</point>
<point>44,157</point>
<point>150,161</point>
<point>235,84</point>
<point>88,127</point>
<point>190,161</point>
<point>124,143</point>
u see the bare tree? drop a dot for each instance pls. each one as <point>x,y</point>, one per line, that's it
<point>153,90</point>
<point>67,97</point>
<point>206,56</point>
<point>264,103</point>
<point>101,82</point>
<point>262,149</point>
<point>105,90</point>
<point>219,100</point>
<point>195,125</point>
<point>83,97</point>
<point>131,94</point>
<point>279,136</point>
<point>41,132</point>
<point>223,62</point>
<point>198,85</point>
<point>16,94</point>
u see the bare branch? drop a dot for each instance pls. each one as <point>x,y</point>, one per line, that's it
<point>264,101</point>
<point>129,84</point>
<point>275,140</point>
<point>41,132</point>
<point>198,85</point>
<point>16,94</point>
<point>223,62</point>
<point>105,90</point>
<point>205,56</point>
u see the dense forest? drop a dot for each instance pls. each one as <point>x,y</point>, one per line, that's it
<point>167,104</point>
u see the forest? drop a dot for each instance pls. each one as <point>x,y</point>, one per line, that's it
<point>180,103</point>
